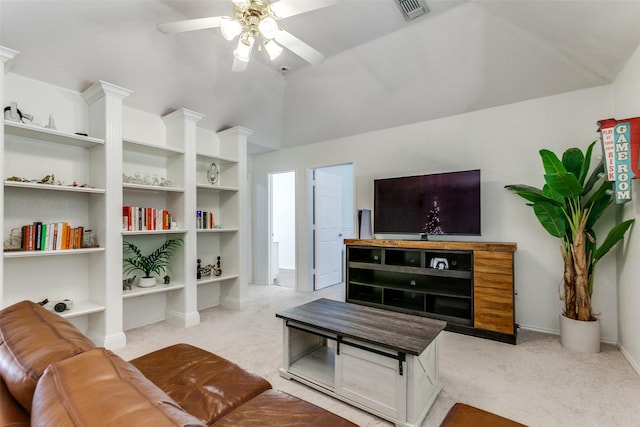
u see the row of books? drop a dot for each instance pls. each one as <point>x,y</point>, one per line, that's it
<point>135,218</point>
<point>51,237</point>
<point>204,220</point>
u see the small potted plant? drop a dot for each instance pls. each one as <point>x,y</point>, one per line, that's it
<point>157,262</point>
<point>568,207</point>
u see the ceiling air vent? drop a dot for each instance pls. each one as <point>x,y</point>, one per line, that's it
<point>411,9</point>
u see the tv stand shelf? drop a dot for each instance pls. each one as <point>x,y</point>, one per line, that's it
<point>472,289</point>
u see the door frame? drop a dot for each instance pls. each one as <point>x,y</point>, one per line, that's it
<point>270,225</point>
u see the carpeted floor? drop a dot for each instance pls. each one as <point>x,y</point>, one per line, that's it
<point>536,382</point>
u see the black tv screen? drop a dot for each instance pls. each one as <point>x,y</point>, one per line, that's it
<point>442,203</point>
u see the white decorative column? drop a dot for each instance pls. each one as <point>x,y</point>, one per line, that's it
<point>233,143</point>
<point>6,55</point>
<point>105,122</point>
<point>182,307</point>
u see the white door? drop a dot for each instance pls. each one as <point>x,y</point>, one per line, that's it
<point>328,225</point>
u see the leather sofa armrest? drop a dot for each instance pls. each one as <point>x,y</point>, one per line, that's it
<point>204,384</point>
<point>98,388</point>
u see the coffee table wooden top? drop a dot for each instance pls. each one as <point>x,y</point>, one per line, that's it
<point>402,332</point>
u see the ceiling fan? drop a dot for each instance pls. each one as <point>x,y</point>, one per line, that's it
<point>254,19</point>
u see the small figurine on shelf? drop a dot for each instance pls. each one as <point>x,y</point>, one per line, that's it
<point>167,279</point>
<point>199,269</point>
<point>52,123</point>
<point>126,283</point>
<point>217,268</point>
<point>57,306</point>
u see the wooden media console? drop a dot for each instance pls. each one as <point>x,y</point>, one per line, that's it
<point>468,284</point>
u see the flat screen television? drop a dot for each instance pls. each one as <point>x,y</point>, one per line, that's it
<point>435,204</point>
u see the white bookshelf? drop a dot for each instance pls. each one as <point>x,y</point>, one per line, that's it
<point>77,164</point>
<point>94,177</point>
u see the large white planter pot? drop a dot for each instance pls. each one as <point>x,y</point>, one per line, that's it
<point>147,282</point>
<point>580,336</point>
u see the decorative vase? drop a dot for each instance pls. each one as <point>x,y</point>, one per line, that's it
<point>147,282</point>
<point>580,336</point>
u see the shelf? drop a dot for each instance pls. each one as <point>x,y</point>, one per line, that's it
<point>318,365</point>
<point>143,232</point>
<point>216,279</point>
<point>214,188</point>
<point>218,230</point>
<point>159,288</point>
<point>457,274</point>
<point>50,135</point>
<point>151,188</point>
<point>82,308</point>
<point>215,158</point>
<point>150,149</point>
<point>50,187</point>
<point>28,254</point>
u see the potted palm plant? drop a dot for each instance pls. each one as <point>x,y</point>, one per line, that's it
<point>568,207</point>
<point>156,262</point>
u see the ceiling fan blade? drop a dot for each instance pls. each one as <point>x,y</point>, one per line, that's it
<point>299,47</point>
<point>286,8</point>
<point>190,25</point>
<point>239,66</point>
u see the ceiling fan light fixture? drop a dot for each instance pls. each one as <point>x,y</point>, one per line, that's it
<point>245,45</point>
<point>230,28</point>
<point>241,3</point>
<point>268,27</point>
<point>273,49</point>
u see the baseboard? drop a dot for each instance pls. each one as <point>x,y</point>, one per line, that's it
<point>634,364</point>
<point>234,303</point>
<point>183,319</point>
<point>557,332</point>
<point>112,342</point>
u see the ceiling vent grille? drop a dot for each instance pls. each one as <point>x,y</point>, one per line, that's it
<point>411,9</point>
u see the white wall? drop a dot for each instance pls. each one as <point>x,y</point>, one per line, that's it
<point>627,105</point>
<point>283,198</point>
<point>503,142</point>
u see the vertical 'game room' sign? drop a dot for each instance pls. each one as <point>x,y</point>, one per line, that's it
<point>621,146</point>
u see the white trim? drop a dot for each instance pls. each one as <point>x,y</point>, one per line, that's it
<point>635,365</point>
<point>557,332</point>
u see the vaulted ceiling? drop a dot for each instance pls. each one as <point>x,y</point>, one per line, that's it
<point>380,71</point>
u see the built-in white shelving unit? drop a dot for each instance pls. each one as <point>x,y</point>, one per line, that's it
<point>99,174</point>
<point>76,164</point>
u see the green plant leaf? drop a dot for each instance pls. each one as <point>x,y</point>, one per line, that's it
<point>527,192</point>
<point>551,163</point>
<point>596,175</point>
<point>573,161</point>
<point>586,164</point>
<point>548,192</point>
<point>564,183</point>
<point>156,262</point>
<point>615,235</point>
<point>551,217</point>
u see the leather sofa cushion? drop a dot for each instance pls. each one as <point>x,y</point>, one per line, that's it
<point>12,414</point>
<point>99,388</point>
<point>32,338</point>
<point>462,415</point>
<point>204,384</point>
<point>277,408</point>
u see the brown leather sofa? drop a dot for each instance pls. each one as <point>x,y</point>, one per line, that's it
<point>53,375</point>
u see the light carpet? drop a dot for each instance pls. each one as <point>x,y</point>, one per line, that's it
<point>536,382</point>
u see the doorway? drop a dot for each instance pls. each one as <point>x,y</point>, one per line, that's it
<point>282,252</point>
<point>331,222</point>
